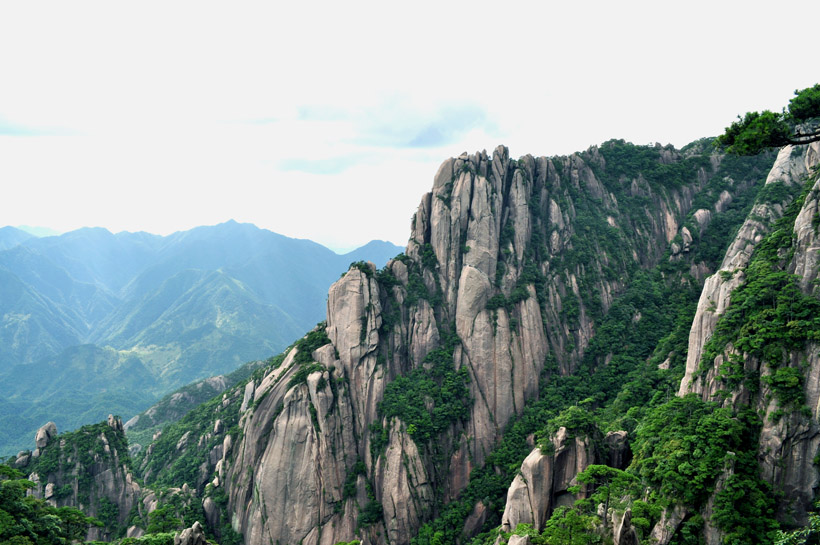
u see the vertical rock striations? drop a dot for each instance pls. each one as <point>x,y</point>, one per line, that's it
<point>771,343</point>
<point>545,479</point>
<point>379,415</point>
<point>789,173</point>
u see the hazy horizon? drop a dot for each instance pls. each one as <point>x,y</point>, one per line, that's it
<point>329,122</point>
<point>41,231</point>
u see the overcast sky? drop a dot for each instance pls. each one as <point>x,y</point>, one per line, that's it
<point>328,120</point>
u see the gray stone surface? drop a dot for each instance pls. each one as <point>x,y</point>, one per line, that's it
<point>45,434</point>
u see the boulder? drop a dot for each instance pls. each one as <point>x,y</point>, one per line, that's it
<point>625,533</point>
<point>45,434</point>
<point>115,423</point>
<point>191,536</point>
<point>617,448</point>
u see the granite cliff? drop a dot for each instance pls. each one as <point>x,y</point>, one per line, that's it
<point>369,425</point>
<point>514,372</point>
<point>752,345</point>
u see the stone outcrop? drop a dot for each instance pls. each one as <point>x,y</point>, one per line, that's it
<point>194,535</point>
<point>45,434</point>
<point>617,451</point>
<point>789,445</point>
<point>625,533</point>
<point>544,481</point>
<point>788,170</point>
<point>98,453</point>
<point>664,530</point>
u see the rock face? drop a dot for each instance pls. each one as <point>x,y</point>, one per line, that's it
<point>624,533</point>
<point>671,518</point>
<point>194,535</point>
<point>173,407</point>
<point>789,439</point>
<point>545,479</point>
<point>96,453</point>
<point>518,260</point>
<point>618,453</point>
<point>45,434</point>
<point>789,171</point>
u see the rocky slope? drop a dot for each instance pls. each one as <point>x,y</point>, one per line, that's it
<point>779,368</point>
<point>374,420</point>
<point>88,469</point>
<point>753,343</point>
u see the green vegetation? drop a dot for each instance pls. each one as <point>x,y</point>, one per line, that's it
<point>25,520</point>
<point>769,316</point>
<point>577,524</point>
<point>227,535</point>
<point>83,447</point>
<point>618,385</point>
<point>303,361</point>
<point>757,131</point>
<point>624,160</point>
<point>187,306</point>
<point>429,399</point>
<point>810,534</point>
<point>686,452</point>
<point>370,513</point>
<point>178,403</point>
<point>148,539</point>
<point>170,466</point>
<point>362,266</point>
<point>595,397</point>
<point>683,446</point>
<point>416,288</point>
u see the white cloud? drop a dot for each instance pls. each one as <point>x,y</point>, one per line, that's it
<point>328,120</point>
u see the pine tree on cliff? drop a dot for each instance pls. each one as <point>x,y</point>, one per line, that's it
<point>757,131</point>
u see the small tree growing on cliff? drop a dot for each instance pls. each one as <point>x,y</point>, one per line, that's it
<point>606,482</point>
<point>757,131</point>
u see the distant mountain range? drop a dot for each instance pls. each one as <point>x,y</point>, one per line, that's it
<point>89,309</point>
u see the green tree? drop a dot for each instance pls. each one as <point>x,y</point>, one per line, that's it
<point>757,131</point>
<point>569,526</point>
<point>606,483</point>
<point>27,520</point>
<point>801,536</point>
<point>162,519</point>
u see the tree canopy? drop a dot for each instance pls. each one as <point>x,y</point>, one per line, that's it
<point>757,131</point>
<point>25,520</point>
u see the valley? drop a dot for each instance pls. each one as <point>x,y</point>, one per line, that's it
<point>97,323</point>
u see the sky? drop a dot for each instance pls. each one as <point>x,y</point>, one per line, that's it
<point>328,120</point>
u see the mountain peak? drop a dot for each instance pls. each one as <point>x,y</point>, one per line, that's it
<point>12,236</point>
